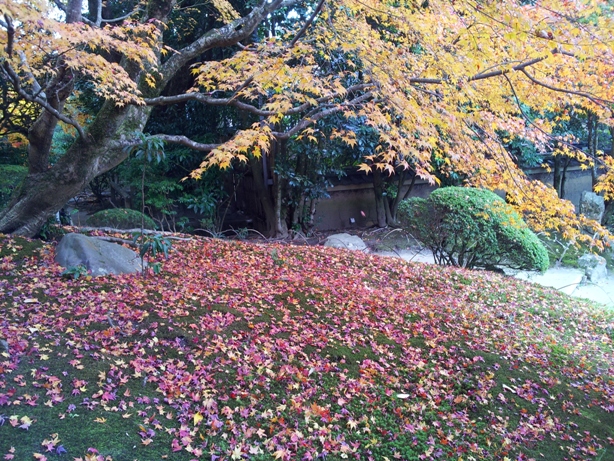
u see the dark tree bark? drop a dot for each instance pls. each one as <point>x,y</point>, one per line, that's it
<point>386,207</point>
<point>592,121</point>
<point>380,200</point>
<point>264,195</point>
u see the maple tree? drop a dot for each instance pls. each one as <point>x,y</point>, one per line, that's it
<point>436,80</point>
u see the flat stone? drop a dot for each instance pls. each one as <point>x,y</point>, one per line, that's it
<point>98,256</point>
<point>346,241</point>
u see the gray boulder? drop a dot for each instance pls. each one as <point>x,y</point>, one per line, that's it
<point>346,241</point>
<point>98,256</point>
<point>594,267</point>
<point>592,206</point>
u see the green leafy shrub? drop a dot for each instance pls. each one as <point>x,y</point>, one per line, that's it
<point>473,228</point>
<point>120,218</point>
<point>11,177</point>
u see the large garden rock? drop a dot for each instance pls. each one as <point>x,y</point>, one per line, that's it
<point>346,241</point>
<point>594,266</point>
<point>592,206</point>
<point>98,256</point>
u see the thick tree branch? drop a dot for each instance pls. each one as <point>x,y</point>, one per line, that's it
<point>231,101</point>
<point>227,35</point>
<point>305,122</point>
<point>307,23</point>
<point>38,91</point>
<point>10,33</point>
<point>185,141</point>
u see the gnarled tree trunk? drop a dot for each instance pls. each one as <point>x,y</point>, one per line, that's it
<point>43,193</point>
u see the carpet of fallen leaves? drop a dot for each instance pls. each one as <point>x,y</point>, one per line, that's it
<point>265,351</point>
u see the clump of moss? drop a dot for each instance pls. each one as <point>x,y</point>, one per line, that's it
<point>120,218</point>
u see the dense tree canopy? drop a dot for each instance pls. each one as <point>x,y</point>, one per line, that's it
<point>437,80</point>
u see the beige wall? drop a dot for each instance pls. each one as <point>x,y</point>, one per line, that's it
<point>347,202</point>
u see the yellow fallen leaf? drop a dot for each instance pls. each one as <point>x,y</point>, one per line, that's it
<point>197,418</point>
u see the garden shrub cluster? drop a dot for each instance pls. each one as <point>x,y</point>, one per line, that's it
<point>120,218</point>
<point>473,228</point>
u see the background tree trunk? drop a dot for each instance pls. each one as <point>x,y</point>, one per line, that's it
<point>591,124</point>
<point>380,199</point>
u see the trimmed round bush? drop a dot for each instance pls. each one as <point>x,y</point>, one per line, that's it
<point>11,177</point>
<point>120,218</point>
<point>473,228</point>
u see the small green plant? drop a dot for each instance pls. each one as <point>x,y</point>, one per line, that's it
<point>473,228</point>
<point>278,260</point>
<point>51,230</point>
<point>75,272</point>
<point>149,246</point>
<point>242,233</point>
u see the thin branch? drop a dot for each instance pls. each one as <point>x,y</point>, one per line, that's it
<point>60,5</point>
<point>599,101</point>
<point>38,90</point>
<point>305,122</point>
<point>494,73</point>
<point>307,23</point>
<point>121,18</point>
<point>10,72</point>
<point>529,121</point>
<point>185,141</point>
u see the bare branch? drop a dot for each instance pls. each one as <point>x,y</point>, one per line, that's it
<point>14,78</point>
<point>185,141</point>
<point>494,73</point>
<point>227,35</point>
<point>599,101</point>
<point>307,23</point>
<point>306,121</point>
<point>231,101</point>
<point>60,5</point>
<point>121,18</point>
<point>35,85</point>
